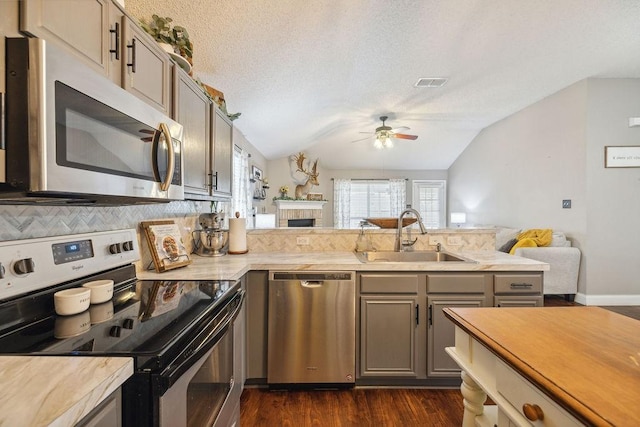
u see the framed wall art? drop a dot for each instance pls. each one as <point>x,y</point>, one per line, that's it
<point>256,173</point>
<point>622,156</point>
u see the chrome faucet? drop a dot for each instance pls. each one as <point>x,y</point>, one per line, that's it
<point>400,244</point>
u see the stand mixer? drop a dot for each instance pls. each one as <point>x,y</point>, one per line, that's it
<point>211,239</point>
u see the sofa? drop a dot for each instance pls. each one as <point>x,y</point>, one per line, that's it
<point>563,260</point>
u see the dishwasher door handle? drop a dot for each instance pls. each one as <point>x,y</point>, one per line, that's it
<point>311,283</point>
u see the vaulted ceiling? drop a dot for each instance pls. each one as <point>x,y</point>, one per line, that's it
<point>312,75</point>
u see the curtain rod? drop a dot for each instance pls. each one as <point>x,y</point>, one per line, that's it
<point>370,179</point>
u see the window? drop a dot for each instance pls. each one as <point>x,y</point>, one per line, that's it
<point>355,200</point>
<point>429,198</point>
<point>241,194</point>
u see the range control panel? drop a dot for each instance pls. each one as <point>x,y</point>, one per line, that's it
<point>33,264</point>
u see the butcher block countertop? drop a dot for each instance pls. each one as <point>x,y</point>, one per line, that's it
<point>586,359</point>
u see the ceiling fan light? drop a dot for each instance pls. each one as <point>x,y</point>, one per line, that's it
<point>388,143</point>
<point>378,144</point>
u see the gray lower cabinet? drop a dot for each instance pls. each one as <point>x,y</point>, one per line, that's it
<point>107,414</point>
<point>192,109</point>
<point>518,290</point>
<point>392,325</point>
<point>450,290</point>
<point>257,305</point>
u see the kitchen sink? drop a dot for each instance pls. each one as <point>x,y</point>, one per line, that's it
<point>414,256</point>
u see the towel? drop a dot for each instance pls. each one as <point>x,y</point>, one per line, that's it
<point>533,238</point>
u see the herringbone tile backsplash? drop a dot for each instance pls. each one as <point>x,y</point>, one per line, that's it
<point>26,222</point>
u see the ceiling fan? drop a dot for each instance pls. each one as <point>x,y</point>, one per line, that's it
<point>384,135</point>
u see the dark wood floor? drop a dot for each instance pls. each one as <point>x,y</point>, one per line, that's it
<point>353,407</point>
<point>366,406</point>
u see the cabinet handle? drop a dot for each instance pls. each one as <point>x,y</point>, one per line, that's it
<point>533,412</point>
<point>214,186</point>
<point>116,31</point>
<point>430,315</point>
<point>521,285</point>
<point>417,314</point>
<point>132,64</point>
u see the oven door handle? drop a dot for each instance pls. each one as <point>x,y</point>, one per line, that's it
<point>170,375</point>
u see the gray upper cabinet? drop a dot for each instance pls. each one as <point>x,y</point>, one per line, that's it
<point>100,34</point>
<point>192,108</point>
<point>222,155</point>
<point>147,67</point>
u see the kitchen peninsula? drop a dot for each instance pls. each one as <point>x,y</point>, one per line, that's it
<point>566,365</point>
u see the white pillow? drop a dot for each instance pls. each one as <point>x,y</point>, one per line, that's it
<point>504,234</point>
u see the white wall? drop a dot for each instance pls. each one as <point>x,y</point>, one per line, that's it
<point>613,194</point>
<point>518,171</point>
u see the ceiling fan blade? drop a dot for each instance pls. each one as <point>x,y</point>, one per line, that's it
<point>361,139</point>
<point>404,136</point>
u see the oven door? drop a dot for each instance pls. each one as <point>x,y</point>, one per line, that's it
<point>199,386</point>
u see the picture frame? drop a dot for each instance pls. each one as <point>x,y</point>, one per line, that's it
<point>256,173</point>
<point>627,156</point>
<point>165,244</point>
<point>315,196</point>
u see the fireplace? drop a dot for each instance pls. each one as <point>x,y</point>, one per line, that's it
<point>299,213</point>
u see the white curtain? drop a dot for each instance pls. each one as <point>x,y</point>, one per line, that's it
<point>398,192</point>
<point>341,202</point>
<point>241,201</point>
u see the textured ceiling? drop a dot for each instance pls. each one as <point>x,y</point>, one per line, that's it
<point>311,75</point>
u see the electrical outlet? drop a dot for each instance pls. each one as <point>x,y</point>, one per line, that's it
<point>302,241</point>
<point>566,204</point>
<point>434,240</point>
<point>454,240</point>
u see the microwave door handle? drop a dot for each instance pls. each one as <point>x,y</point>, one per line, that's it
<point>164,185</point>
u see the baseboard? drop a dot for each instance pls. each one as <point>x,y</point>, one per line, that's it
<point>607,299</point>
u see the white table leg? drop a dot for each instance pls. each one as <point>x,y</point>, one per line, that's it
<point>473,400</point>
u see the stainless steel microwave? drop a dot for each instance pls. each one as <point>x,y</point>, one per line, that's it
<point>72,135</point>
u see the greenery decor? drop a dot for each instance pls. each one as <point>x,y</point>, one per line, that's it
<point>163,31</point>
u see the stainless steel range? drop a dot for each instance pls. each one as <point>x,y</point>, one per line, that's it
<point>179,333</point>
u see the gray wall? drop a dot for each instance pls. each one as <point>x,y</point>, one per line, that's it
<point>517,172</point>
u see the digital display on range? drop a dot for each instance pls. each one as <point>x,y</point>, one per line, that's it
<point>72,251</point>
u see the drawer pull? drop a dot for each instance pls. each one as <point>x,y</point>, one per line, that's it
<point>533,412</point>
<point>521,285</point>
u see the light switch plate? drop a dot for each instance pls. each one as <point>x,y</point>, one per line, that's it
<point>302,241</point>
<point>566,204</point>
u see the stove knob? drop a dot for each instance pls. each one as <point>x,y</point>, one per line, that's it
<point>127,324</point>
<point>115,331</point>
<point>24,266</point>
<point>115,248</point>
<point>1,271</point>
<point>127,246</point>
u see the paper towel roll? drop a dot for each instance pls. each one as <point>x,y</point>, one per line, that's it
<point>237,235</point>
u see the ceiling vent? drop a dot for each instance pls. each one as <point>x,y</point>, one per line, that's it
<point>431,82</point>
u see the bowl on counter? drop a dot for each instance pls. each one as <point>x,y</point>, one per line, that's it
<point>71,301</point>
<point>101,290</point>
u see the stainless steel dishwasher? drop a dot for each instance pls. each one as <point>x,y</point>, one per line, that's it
<point>311,329</point>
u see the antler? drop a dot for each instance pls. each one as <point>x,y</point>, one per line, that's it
<point>314,168</point>
<point>300,162</point>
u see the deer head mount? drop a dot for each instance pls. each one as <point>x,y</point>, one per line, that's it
<point>312,176</point>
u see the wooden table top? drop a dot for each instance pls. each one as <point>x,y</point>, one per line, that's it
<point>587,359</point>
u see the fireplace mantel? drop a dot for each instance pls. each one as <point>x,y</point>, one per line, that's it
<point>299,204</point>
<point>299,209</point>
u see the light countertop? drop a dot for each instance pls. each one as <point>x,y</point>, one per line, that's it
<point>233,267</point>
<point>56,391</point>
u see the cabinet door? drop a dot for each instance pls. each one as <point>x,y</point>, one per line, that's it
<point>518,301</point>
<point>147,69</point>
<point>192,109</point>
<point>257,304</point>
<point>81,26</point>
<point>222,155</point>
<point>388,336</point>
<point>442,333</point>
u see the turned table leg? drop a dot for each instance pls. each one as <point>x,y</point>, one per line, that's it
<point>473,400</point>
